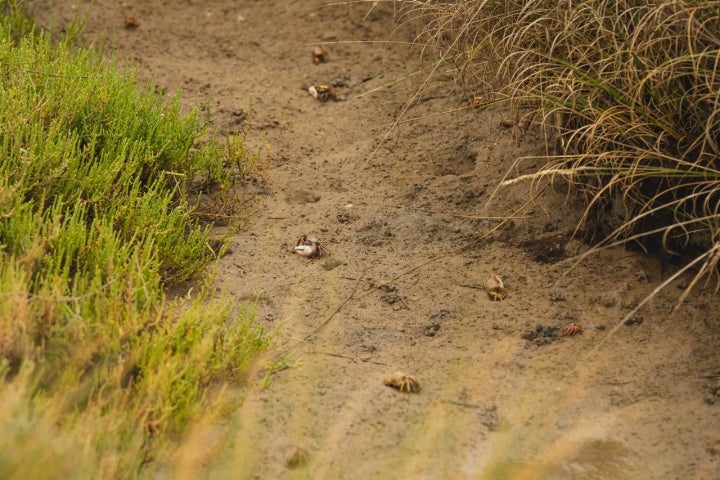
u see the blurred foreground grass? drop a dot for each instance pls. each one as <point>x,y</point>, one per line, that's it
<point>100,370</point>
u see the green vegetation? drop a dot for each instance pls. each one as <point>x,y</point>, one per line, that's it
<point>100,370</point>
<point>628,91</point>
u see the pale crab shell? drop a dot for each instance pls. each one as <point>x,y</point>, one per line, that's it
<point>405,383</point>
<point>495,288</point>
<point>306,250</point>
<point>313,91</point>
<point>493,284</point>
<point>308,246</point>
<point>319,54</point>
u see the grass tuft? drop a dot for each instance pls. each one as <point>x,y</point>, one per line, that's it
<point>627,90</point>
<point>99,370</point>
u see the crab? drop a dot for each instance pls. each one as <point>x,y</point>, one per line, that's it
<point>402,382</point>
<point>495,288</point>
<point>323,92</point>
<point>131,23</point>
<point>319,55</point>
<point>571,329</point>
<point>309,246</point>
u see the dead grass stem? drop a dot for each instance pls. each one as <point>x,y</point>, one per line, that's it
<point>630,92</point>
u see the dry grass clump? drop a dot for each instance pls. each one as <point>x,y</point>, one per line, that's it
<point>629,90</point>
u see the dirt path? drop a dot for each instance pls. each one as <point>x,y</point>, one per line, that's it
<point>502,395</point>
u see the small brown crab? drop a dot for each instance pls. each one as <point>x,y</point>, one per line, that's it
<point>324,92</point>
<point>319,54</point>
<point>402,382</point>
<point>571,329</point>
<point>309,246</point>
<point>495,288</point>
<point>131,23</point>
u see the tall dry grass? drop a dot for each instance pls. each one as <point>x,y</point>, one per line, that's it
<point>630,92</point>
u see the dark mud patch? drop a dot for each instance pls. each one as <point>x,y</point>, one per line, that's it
<point>547,250</point>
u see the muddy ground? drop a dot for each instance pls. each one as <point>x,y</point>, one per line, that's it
<point>407,215</point>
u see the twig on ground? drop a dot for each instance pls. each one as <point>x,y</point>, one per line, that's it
<point>322,325</point>
<point>349,357</point>
<point>337,310</point>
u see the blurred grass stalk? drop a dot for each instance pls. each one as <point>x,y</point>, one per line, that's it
<point>627,91</point>
<point>101,373</point>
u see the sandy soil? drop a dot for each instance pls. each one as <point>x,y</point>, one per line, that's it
<point>409,220</point>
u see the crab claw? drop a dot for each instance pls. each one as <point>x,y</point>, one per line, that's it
<point>306,250</point>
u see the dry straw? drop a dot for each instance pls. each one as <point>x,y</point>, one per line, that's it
<point>629,91</point>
